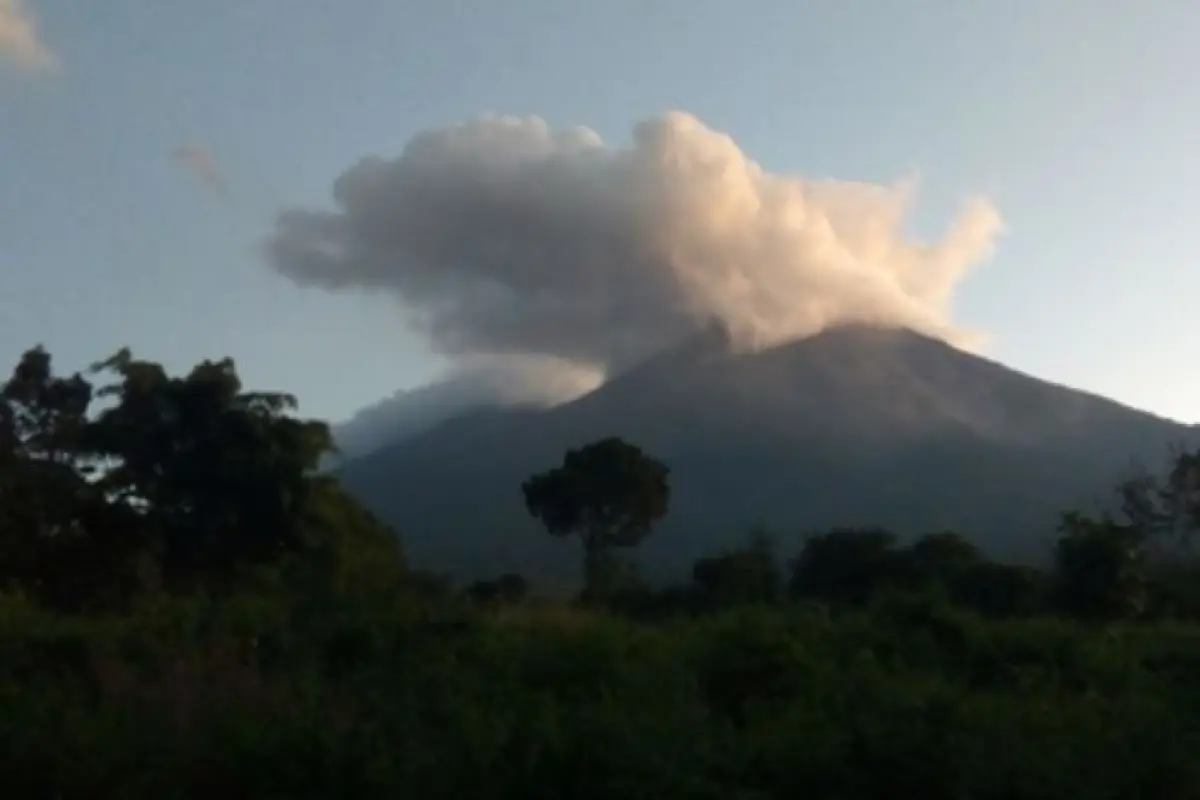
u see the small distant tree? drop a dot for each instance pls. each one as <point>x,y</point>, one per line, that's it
<point>1164,511</point>
<point>746,575</point>
<point>1166,508</point>
<point>1100,569</point>
<point>845,565</point>
<point>608,493</point>
<point>938,560</point>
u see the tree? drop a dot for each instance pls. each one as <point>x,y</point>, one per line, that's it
<point>1142,560</point>
<point>938,559</point>
<point>747,575</point>
<point>845,565</point>
<point>222,476</point>
<point>1100,568</point>
<point>180,482</point>
<point>61,540</point>
<point>1166,509</point>
<point>608,493</point>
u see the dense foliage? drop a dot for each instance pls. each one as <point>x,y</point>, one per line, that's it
<point>152,483</point>
<point>191,609</point>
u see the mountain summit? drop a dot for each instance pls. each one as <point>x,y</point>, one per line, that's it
<point>854,426</point>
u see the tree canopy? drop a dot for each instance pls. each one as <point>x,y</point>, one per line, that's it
<point>129,479</point>
<point>609,493</point>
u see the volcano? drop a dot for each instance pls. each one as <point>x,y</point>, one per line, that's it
<point>854,426</point>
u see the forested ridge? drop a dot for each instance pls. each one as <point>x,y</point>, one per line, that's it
<point>191,608</point>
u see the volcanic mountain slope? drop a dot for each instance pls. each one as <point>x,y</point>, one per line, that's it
<point>855,426</point>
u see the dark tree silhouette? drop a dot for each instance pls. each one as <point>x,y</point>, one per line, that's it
<point>1166,509</point>
<point>938,559</point>
<point>223,474</point>
<point>845,565</point>
<point>61,539</point>
<point>1100,569</point>
<point>748,575</point>
<point>152,480</point>
<point>609,493</point>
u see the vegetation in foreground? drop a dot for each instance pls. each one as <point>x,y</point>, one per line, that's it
<point>191,610</point>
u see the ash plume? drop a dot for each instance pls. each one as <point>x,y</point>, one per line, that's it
<point>513,381</point>
<point>21,43</point>
<point>505,237</point>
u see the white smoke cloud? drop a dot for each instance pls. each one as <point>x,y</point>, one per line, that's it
<point>508,381</point>
<point>20,41</point>
<point>202,164</point>
<point>503,236</point>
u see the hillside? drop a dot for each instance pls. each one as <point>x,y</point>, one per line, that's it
<point>855,426</point>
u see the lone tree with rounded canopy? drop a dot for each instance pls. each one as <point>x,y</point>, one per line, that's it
<point>609,493</point>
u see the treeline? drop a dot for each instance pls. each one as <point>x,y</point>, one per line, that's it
<point>1095,577</point>
<point>126,482</point>
<point>189,608</point>
<point>1135,564</point>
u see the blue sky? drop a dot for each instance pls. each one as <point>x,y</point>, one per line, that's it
<point>1078,120</point>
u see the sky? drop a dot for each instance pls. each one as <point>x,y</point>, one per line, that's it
<point>148,150</point>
